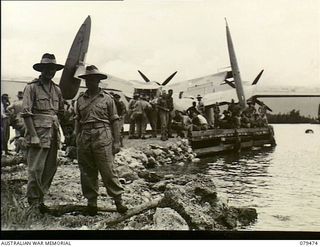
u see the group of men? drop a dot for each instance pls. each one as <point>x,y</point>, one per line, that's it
<point>93,124</point>
<point>159,112</point>
<point>96,127</point>
<point>155,110</point>
<point>235,117</point>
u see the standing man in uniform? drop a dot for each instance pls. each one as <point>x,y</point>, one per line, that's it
<point>98,140</point>
<point>163,115</point>
<point>170,107</point>
<point>122,110</point>
<point>216,115</point>
<point>5,123</point>
<point>42,105</point>
<point>153,115</point>
<point>131,116</point>
<point>200,105</point>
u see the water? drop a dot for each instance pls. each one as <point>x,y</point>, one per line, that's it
<point>282,183</point>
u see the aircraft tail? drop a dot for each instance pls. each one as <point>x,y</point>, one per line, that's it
<point>235,69</point>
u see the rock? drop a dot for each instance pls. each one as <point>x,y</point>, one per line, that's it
<point>207,194</point>
<point>157,152</point>
<point>160,186</point>
<point>169,176</point>
<point>11,160</point>
<point>247,216</point>
<point>195,160</point>
<point>166,161</point>
<point>148,152</point>
<point>127,173</point>
<point>140,156</point>
<point>168,219</point>
<point>195,198</point>
<point>150,176</point>
<point>180,164</point>
<point>155,146</point>
<point>134,165</point>
<point>182,199</point>
<point>151,162</point>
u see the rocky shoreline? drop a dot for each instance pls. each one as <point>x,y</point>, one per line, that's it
<point>157,200</point>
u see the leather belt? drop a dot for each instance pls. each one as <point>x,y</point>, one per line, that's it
<point>93,125</point>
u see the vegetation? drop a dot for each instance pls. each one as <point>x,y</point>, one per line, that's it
<point>290,117</point>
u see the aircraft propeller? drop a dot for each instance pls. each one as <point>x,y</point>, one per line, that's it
<point>260,103</point>
<point>257,78</point>
<point>166,81</point>
<point>169,79</point>
<point>229,80</point>
<point>146,79</point>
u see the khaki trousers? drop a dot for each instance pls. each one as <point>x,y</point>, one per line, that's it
<point>42,166</point>
<point>94,156</point>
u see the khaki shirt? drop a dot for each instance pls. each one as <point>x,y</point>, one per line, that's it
<point>43,106</point>
<point>99,108</point>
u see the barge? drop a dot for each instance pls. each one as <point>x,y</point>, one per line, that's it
<point>208,142</point>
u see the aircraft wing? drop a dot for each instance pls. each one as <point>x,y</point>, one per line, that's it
<point>265,92</point>
<point>146,86</point>
<point>116,83</point>
<point>202,85</point>
<point>285,92</point>
<point>221,97</point>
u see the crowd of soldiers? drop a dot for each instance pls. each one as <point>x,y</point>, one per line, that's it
<point>93,129</point>
<point>155,110</point>
<point>158,111</point>
<point>236,117</point>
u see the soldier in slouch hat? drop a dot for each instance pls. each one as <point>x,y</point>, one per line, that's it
<point>42,104</point>
<point>98,140</point>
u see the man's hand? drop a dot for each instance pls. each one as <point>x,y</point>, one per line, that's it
<point>35,141</point>
<point>115,147</point>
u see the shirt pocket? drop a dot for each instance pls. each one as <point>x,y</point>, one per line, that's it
<point>55,101</point>
<point>101,110</point>
<point>102,106</point>
<point>43,102</point>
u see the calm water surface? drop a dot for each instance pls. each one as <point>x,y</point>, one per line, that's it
<point>282,183</point>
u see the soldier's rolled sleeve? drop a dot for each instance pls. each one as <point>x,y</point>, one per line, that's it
<point>112,109</point>
<point>27,104</point>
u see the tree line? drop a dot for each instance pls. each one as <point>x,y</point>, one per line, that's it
<point>290,117</point>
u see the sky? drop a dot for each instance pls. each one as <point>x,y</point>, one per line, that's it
<point>160,37</point>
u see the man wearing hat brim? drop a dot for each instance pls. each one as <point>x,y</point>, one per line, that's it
<point>98,140</point>
<point>200,105</point>
<point>42,106</point>
<point>93,72</point>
